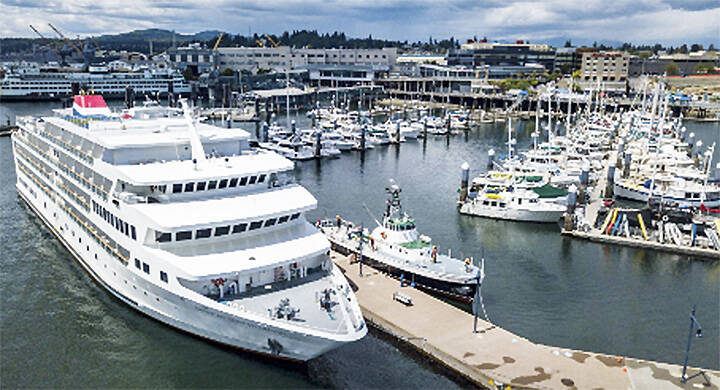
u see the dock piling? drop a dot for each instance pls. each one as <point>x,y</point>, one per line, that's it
<point>610,180</point>
<point>491,159</point>
<point>464,179</point>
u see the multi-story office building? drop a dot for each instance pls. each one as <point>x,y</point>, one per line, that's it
<point>607,66</point>
<point>193,56</point>
<point>475,54</point>
<point>256,59</point>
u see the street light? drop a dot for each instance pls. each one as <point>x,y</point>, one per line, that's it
<point>698,334</point>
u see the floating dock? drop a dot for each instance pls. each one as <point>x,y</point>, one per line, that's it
<point>495,358</point>
<point>590,213</point>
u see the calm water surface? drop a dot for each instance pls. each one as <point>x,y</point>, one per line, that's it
<point>59,329</point>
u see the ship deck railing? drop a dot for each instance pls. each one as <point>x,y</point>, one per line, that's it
<point>304,295</point>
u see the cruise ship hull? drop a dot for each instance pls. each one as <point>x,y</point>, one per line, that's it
<point>160,304</point>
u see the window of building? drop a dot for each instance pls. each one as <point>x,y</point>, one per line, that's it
<point>177,188</point>
<point>223,183</point>
<point>203,233</point>
<point>163,276</point>
<point>222,231</point>
<point>270,222</point>
<point>182,236</point>
<point>189,187</point>
<point>212,184</point>
<point>162,237</point>
<point>132,232</point>
<point>233,182</point>
<point>146,268</point>
<point>137,263</point>
<point>256,225</point>
<point>283,219</point>
<point>262,178</point>
<point>253,179</point>
<point>200,186</point>
<point>239,228</point>
<point>295,216</point>
<point>243,181</point>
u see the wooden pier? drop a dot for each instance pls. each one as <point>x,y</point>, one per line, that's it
<point>496,358</point>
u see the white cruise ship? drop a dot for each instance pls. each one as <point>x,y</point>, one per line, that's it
<point>188,224</point>
<point>56,83</point>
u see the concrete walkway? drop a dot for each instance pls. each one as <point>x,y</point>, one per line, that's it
<point>494,357</point>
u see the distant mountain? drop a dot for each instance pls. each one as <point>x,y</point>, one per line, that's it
<point>156,35</point>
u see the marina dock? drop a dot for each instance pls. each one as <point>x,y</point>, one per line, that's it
<point>494,357</point>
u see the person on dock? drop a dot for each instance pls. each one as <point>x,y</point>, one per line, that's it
<point>338,220</point>
<point>434,254</point>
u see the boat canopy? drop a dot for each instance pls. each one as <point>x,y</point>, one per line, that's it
<point>549,191</point>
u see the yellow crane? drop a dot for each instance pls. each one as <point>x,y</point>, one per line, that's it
<point>71,43</point>
<point>48,42</point>
<point>259,43</point>
<point>218,41</point>
<point>271,40</point>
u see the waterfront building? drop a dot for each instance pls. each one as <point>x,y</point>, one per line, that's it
<point>258,59</point>
<point>474,54</point>
<point>686,63</point>
<point>605,66</point>
<point>193,56</point>
<point>341,75</point>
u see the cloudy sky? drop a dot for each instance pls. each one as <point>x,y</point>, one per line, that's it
<point>638,21</point>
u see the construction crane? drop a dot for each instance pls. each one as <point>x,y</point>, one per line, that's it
<point>259,43</point>
<point>69,42</point>
<point>271,40</point>
<point>218,41</point>
<point>48,42</point>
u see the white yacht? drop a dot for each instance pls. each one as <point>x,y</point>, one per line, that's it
<point>188,224</point>
<point>535,204</point>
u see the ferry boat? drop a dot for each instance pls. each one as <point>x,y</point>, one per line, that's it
<point>188,224</point>
<point>56,83</point>
<point>396,246</point>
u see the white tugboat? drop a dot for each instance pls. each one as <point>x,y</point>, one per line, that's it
<point>213,243</point>
<point>396,246</point>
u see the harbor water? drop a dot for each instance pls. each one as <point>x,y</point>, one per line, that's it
<point>59,329</point>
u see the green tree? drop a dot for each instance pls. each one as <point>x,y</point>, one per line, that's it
<point>672,69</point>
<point>645,54</point>
<point>704,67</point>
<point>228,72</point>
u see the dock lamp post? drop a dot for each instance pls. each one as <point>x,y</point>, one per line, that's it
<point>477,304</point>
<point>698,334</point>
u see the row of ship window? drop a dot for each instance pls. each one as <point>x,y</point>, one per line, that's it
<point>217,184</point>
<point>122,226</point>
<point>146,268</point>
<point>224,230</point>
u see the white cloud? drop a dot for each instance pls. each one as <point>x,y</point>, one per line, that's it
<point>640,21</point>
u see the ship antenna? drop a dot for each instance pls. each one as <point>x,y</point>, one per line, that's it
<point>371,215</point>
<point>198,153</point>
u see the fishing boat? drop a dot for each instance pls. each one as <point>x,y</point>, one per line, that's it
<point>395,246</point>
